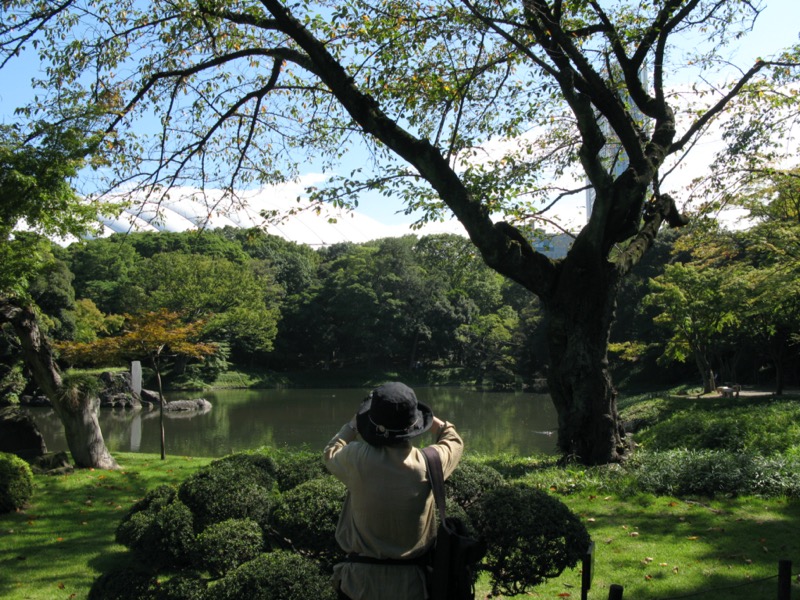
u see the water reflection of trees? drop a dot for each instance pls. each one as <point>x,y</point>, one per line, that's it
<point>490,422</point>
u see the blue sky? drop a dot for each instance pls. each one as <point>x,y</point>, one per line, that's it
<point>776,28</point>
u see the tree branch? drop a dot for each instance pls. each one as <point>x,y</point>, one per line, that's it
<point>721,104</point>
<point>501,245</point>
<point>661,208</point>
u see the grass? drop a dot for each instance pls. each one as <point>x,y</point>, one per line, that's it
<point>659,547</point>
<point>656,547</point>
<point>58,545</point>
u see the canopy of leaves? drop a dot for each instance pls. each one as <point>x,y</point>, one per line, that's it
<point>144,335</point>
<point>231,95</point>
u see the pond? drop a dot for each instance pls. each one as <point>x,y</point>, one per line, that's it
<point>489,422</point>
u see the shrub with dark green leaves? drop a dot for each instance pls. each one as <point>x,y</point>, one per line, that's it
<point>278,575</point>
<point>293,467</point>
<point>134,584</point>
<point>307,516</point>
<point>470,481</point>
<point>183,586</point>
<point>222,547</point>
<point>124,584</point>
<point>454,510</point>
<point>240,486</point>
<point>16,482</point>
<point>153,501</point>
<point>159,530</point>
<point>532,536</point>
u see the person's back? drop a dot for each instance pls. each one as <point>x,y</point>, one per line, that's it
<point>388,521</point>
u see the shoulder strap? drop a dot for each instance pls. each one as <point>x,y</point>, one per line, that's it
<point>436,476</point>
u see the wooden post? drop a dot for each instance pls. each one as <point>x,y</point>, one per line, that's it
<point>615,592</point>
<point>784,579</point>
<point>587,571</point>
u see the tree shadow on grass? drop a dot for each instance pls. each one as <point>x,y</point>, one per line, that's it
<point>662,548</point>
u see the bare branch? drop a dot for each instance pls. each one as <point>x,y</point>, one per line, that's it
<point>720,105</point>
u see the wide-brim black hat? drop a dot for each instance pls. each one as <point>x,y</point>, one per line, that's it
<point>392,414</point>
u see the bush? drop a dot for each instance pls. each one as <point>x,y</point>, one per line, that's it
<point>153,501</point>
<point>470,481</point>
<point>278,575</point>
<point>775,476</point>
<point>307,517</point>
<point>124,584</point>
<point>183,586</point>
<point>532,536</point>
<point>12,383</point>
<point>240,486</point>
<point>512,466</point>
<point>711,472</point>
<point>158,530</point>
<point>454,510</point>
<point>293,467</point>
<point>766,428</point>
<point>224,546</point>
<point>16,482</point>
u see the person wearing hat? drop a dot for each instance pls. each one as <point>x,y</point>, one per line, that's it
<point>388,521</point>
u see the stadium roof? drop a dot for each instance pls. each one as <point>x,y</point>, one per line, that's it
<point>188,209</point>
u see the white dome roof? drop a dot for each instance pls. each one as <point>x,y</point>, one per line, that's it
<point>188,209</point>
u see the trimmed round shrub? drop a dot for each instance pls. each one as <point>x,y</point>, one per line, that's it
<point>153,501</point>
<point>293,467</point>
<point>16,482</point>
<point>470,481</point>
<point>455,510</point>
<point>278,575</point>
<point>222,547</point>
<point>124,584</point>
<point>307,517</point>
<point>264,464</point>
<point>159,530</point>
<point>241,486</point>
<point>532,537</point>
<point>183,586</point>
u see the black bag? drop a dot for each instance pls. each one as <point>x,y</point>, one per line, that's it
<point>455,555</point>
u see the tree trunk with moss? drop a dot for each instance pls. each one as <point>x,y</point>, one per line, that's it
<point>75,406</point>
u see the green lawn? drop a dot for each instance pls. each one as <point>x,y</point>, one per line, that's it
<point>57,546</point>
<point>659,548</point>
<point>656,547</point>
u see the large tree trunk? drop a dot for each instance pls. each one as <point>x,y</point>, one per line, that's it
<point>706,372</point>
<point>580,318</point>
<point>85,440</point>
<point>76,409</point>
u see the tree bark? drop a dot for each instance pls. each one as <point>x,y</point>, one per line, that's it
<point>706,373</point>
<point>77,410</point>
<point>580,316</point>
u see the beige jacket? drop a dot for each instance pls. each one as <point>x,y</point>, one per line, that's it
<point>389,512</point>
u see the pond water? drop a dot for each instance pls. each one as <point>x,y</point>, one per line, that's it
<point>489,422</point>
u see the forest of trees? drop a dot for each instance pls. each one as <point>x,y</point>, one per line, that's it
<point>473,109</point>
<point>702,304</point>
